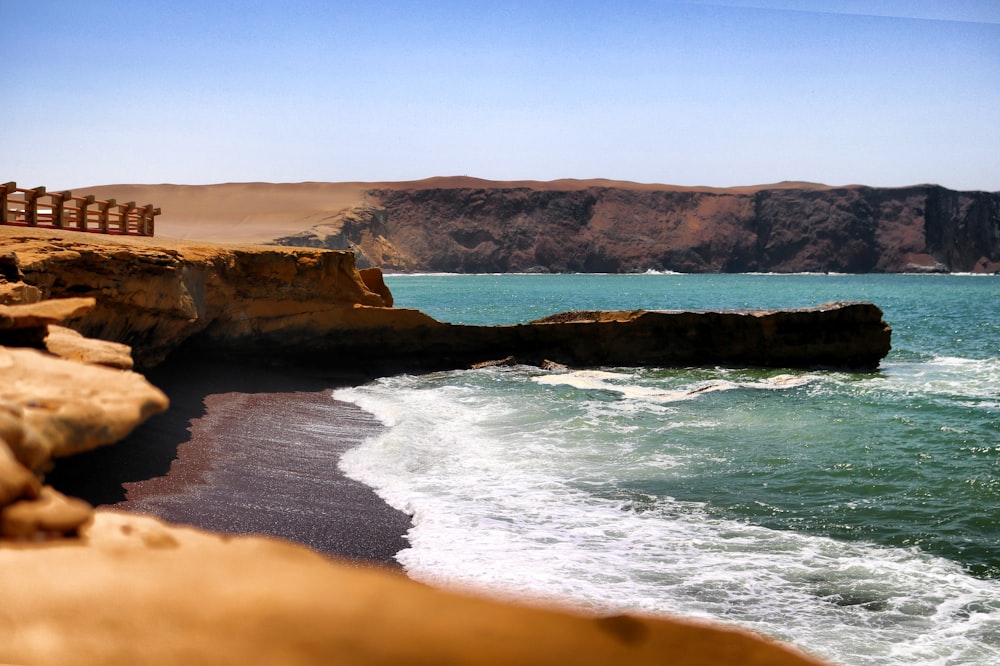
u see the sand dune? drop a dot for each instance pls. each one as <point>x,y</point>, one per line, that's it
<point>237,212</point>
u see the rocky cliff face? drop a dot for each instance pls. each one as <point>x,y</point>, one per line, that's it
<point>627,229</point>
<point>154,295</point>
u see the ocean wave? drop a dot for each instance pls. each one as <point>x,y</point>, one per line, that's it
<point>537,494</point>
<point>598,380</point>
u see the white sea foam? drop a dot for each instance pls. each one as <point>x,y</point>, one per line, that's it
<point>508,497</point>
<point>599,380</point>
<point>953,377</point>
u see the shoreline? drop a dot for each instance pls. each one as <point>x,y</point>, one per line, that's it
<point>247,450</point>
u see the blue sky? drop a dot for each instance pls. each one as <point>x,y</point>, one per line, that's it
<point>884,93</point>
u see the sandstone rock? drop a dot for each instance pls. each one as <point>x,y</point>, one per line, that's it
<point>10,271</point>
<point>506,362</point>
<point>313,306</point>
<point>16,480</point>
<point>835,335</point>
<point>11,423</point>
<point>26,325</point>
<point>50,514</point>
<point>71,345</point>
<point>133,590</point>
<point>13,293</point>
<point>153,295</point>
<point>372,277</point>
<point>68,407</point>
<point>43,313</point>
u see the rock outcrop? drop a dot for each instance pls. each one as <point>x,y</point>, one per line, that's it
<point>153,295</point>
<point>473,226</point>
<point>133,590</point>
<point>314,306</point>
<point>835,335</point>
<point>55,403</point>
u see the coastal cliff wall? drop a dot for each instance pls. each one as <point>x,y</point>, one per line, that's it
<point>155,295</point>
<point>499,228</point>
<point>315,307</point>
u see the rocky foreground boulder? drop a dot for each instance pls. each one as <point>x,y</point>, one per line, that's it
<point>131,590</point>
<point>54,402</point>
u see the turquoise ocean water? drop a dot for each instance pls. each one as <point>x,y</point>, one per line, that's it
<point>856,516</point>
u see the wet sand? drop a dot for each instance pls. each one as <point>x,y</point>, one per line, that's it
<point>246,450</point>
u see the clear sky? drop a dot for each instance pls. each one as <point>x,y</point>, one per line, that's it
<point>878,92</point>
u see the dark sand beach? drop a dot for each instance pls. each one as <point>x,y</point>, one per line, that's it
<point>246,450</point>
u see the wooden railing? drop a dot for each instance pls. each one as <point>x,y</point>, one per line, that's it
<point>61,210</point>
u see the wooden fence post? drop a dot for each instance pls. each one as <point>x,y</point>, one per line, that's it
<point>105,208</point>
<point>127,215</point>
<point>58,201</point>
<point>85,213</point>
<point>147,221</point>
<point>5,189</point>
<point>31,205</point>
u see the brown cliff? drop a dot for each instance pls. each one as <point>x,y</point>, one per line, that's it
<point>612,229</point>
<point>153,295</point>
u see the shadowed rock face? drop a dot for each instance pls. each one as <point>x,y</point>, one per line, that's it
<point>617,229</point>
<point>382,340</point>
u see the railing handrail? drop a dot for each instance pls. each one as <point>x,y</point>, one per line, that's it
<point>64,210</point>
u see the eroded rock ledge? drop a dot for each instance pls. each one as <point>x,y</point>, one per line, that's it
<point>314,306</point>
<point>835,335</point>
<point>154,295</point>
<point>60,394</point>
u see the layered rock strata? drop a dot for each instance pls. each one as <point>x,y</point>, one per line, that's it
<point>483,227</point>
<point>154,295</point>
